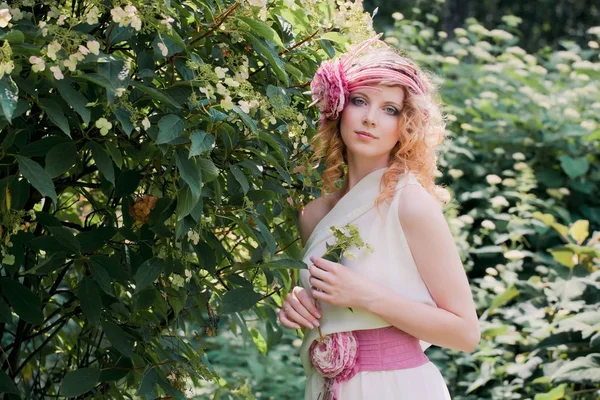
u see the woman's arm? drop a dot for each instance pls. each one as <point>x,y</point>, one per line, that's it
<point>454,323</point>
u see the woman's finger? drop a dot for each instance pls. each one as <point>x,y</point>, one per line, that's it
<point>293,315</point>
<point>309,303</point>
<point>319,284</point>
<point>319,273</point>
<point>286,322</point>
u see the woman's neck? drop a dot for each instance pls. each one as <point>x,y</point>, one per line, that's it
<point>357,172</point>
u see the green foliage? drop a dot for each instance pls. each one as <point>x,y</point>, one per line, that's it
<point>522,158</point>
<point>145,150</point>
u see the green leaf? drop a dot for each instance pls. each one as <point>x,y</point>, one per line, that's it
<point>201,142</point>
<point>557,393</point>
<point>6,384</point>
<point>91,303</point>
<point>240,177</point>
<point>259,340</point>
<point>103,161</point>
<point>189,171</point>
<point>13,36</point>
<point>263,30</point>
<point>23,301</point>
<point>239,299</point>
<point>186,201</point>
<point>156,94</point>
<point>80,381</point>
<point>209,170</point>
<point>56,114</point>
<point>100,275</point>
<point>272,58</point>
<point>118,338</point>
<point>170,127</point>
<point>335,37</point>
<point>65,237</point>
<point>124,118</point>
<point>582,370</point>
<point>574,167</point>
<point>580,230</point>
<point>285,263</point>
<point>61,158</point>
<point>115,154</point>
<point>504,297</point>
<point>148,272</point>
<point>563,256</point>
<point>37,176</point>
<point>249,122</point>
<point>75,99</point>
<point>5,314</point>
<point>9,96</point>
<point>148,382</point>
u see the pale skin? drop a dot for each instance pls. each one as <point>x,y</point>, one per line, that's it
<point>454,323</point>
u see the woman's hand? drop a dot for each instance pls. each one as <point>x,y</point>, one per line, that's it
<point>299,309</point>
<point>336,284</point>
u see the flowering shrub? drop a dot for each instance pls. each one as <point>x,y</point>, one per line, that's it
<point>146,148</point>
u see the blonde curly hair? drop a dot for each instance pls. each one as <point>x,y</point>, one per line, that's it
<point>422,126</point>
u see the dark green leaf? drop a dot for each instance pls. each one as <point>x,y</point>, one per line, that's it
<point>124,118</point>
<point>65,237</point>
<point>9,96</point>
<point>103,161</point>
<point>80,381</point>
<point>37,176</point>
<point>209,169</point>
<point>148,383</point>
<point>148,272</point>
<point>91,303</point>
<point>189,171</point>
<point>156,94</point>
<point>100,275</point>
<point>201,142</point>
<point>240,177</point>
<point>170,127</point>
<point>119,339</point>
<point>56,114</point>
<point>5,314</point>
<point>263,30</point>
<point>61,158</point>
<point>23,301</point>
<point>75,99</point>
<point>272,58</point>
<point>186,201</point>
<point>239,299</point>
<point>574,167</point>
<point>6,384</point>
<point>285,263</point>
<point>581,370</point>
<point>249,122</point>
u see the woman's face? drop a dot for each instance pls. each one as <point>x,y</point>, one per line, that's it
<point>370,123</point>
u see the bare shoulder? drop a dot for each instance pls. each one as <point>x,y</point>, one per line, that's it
<point>313,213</point>
<point>417,206</point>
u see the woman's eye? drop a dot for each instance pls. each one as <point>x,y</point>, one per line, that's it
<point>391,111</point>
<point>358,101</point>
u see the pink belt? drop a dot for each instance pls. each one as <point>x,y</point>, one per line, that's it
<point>342,355</point>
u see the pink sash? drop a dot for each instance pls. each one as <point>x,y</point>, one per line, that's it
<point>382,349</point>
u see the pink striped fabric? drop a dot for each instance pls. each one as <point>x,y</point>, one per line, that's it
<point>388,349</point>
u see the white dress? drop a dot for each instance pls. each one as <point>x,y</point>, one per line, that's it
<point>390,264</point>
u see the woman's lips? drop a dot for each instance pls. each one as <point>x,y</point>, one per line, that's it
<point>365,135</point>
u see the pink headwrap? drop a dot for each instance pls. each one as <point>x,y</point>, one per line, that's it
<point>335,79</point>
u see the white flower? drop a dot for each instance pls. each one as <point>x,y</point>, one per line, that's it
<point>493,179</point>
<point>8,259</point>
<point>167,22</point>
<point>42,26</point>
<point>163,49</point>
<point>467,219</point>
<point>488,95</point>
<point>464,40</point>
<point>515,50</point>
<point>93,46</point>
<point>460,32</point>
<point>119,91</point>
<point>231,82</point>
<point>564,191</point>
<point>16,14</point>
<point>518,156</point>
<point>499,34</point>
<point>221,72</point>
<point>520,166</point>
<point>509,182</point>
<point>6,68</point>
<point>222,90</point>
<point>595,30</point>
<point>71,63</point>
<point>53,47</point>
<point>258,3</point>
<point>398,16</point>
<point>593,44</point>
<point>126,17</point>
<point>442,35</point>
<point>244,105</point>
<point>37,64</point>
<point>58,75</point>
<point>499,201</point>
<point>451,60</point>
<point>487,224</point>
<point>61,19</point>
<point>571,113</point>
<point>456,173</point>
<point>92,16</point>
<point>588,125</point>
<point>227,103</point>
<point>103,125</point>
<point>146,123</point>
<point>514,255</point>
<point>83,50</point>
<point>5,17</point>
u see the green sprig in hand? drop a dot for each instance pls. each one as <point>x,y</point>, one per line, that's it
<point>346,238</point>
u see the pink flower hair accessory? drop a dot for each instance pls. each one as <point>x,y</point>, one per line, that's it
<point>329,89</point>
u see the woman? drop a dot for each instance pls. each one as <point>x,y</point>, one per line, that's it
<point>379,129</point>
